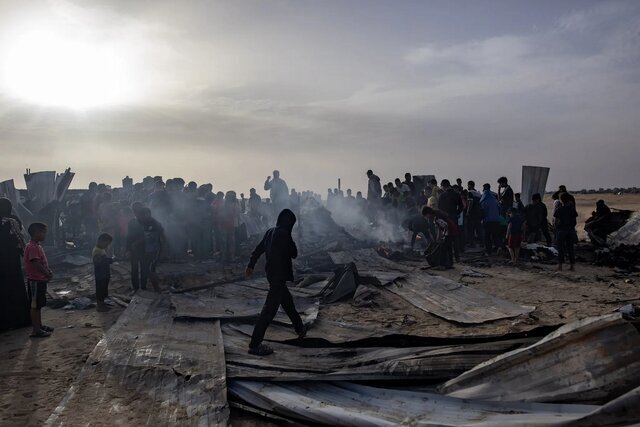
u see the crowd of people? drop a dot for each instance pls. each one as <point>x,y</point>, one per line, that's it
<point>155,219</point>
<point>448,218</point>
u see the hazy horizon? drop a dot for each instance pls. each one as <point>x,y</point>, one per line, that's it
<point>226,92</point>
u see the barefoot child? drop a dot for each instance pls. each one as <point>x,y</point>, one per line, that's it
<point>38,274</point>
<point>102,269</point>
<point>514,235</point>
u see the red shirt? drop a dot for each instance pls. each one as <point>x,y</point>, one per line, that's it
<point>34,251</point>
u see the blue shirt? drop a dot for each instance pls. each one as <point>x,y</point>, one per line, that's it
<point>490,207</point>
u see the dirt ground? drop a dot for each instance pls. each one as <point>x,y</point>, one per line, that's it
<point>35,374</point>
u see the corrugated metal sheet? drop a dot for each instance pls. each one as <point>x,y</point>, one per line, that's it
<point>534,180</point>
<point>336,333</point>
<point>293,363</point>
<point>240,300</point>
<point>41,188</point>
<point>150,370</point>
<point>329,331</point>
<point>454,301</point>
<point>368,260</point>
<point>591,360</point>
<point>346,404</point>
<point>628,234</point>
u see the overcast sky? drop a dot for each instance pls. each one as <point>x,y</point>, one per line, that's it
<point>225,92</point>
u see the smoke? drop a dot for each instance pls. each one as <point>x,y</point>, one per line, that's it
<point>379,226</point>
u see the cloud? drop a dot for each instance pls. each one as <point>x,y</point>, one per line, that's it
<point>229,94</point>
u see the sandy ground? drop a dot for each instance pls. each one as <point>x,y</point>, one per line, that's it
<point>35,374</point>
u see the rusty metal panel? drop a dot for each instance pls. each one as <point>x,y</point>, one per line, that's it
<point>454,301</point>
<point>240,301</point>
<point>591,360</point>
<point>150,370</point>
<point>347,404</point>
<point>293,363</point>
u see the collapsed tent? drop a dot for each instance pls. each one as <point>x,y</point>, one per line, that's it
<point>150,370</point>
<point>585,361</point>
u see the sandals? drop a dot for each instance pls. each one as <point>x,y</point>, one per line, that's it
<point>40,334</point>
<point>261,350</point>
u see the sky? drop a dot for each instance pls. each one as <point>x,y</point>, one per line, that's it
<point>227,91</point>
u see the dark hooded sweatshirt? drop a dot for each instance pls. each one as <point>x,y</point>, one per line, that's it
<point>279,248</point>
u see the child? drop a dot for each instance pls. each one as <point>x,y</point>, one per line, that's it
<point>102,269</point>
<point>38,274</point>
<point>514,235</point>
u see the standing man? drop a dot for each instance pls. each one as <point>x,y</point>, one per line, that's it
<point>473,215</point>
<point>374,190</point>
<point>408,180</point>
<point>536,220</point>
<point>279,191</point>
<point>505,196</point>
<point>374,194</point>
<point>490,219</point>
<point>279,248</point>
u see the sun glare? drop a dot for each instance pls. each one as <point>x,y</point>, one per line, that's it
<point>46,69</point>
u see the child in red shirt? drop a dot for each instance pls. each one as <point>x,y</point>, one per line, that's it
<point>38,274</point>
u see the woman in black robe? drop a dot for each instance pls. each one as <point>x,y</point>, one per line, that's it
<point>14,303</point>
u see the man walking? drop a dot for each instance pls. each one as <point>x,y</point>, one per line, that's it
<point>279,248</point>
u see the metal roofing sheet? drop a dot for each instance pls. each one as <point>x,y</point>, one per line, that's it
<point>150,370</point>
<point>368,260</point>
<point>240,300</point>
<point>591,360</point>
<point>347,404</point>
<point>293,363</point>
<point>628,234</point>
<point>452,300</point>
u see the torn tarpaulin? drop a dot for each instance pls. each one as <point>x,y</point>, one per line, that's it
<point>590,360</point>
<point>454,301</point>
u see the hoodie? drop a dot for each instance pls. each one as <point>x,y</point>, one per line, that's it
<point>279,248</point>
